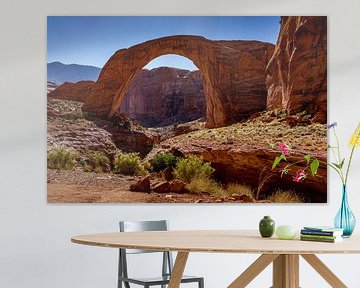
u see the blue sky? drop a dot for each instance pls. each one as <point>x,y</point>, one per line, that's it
<point>91,40</point>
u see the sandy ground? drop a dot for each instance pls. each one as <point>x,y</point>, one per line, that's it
<point>88,187</point>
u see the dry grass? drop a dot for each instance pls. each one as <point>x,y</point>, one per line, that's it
<point>239,189</point>
<point>264,176</point>
<point>206,185</point>
<point>213,188</point>
<point>285,196</point>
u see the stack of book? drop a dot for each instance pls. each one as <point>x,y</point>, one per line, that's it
<point>321,234</point>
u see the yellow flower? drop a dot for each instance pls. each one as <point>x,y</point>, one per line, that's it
<point>355,138</point>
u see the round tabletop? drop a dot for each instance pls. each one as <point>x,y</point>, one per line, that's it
<point>220,241</point>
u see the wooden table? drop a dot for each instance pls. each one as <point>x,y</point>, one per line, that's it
<point>284,254</point>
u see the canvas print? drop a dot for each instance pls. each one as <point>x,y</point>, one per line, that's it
<point>186,109</point>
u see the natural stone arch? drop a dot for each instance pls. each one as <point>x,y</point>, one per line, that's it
<point>233,74</point>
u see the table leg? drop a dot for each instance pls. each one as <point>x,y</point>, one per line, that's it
<point>178,270</point>
<point>253,270</point>
<point>324,271</point>
<point>286,271</point>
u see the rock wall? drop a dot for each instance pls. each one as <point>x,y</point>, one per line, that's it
<point>165,96</point>
<point>238,162</point>
<point>297,72</point>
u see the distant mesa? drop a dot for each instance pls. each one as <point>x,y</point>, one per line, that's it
<point>59,73</point>
<point>71,91</point>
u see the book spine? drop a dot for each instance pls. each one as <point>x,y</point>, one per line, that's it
<point>320,233</point>
<point>318,239</point>
<point>319,236</point>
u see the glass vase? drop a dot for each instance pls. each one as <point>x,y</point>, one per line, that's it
<point>345,219</point>
<point>267,227</point>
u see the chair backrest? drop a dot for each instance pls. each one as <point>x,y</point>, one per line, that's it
<point>134,226</point>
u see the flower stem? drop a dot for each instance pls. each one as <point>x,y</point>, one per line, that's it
<point>348,166</point>
<point>337,144</point>
<point>340,171</point>
<point>350,159</point>
<point>336,169</point>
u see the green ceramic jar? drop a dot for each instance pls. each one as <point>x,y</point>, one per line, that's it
<point>266,227</point>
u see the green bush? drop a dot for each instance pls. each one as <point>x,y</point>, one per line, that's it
<point>96,161</point>
<point>163,160</point>
<point>61,159</point>
<point>192,167</point>
<point>129,164</point>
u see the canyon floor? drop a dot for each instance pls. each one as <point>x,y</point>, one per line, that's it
<point>89,187</point>
<point>238,152</point>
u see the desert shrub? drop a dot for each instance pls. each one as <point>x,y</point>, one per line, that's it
<point>285,196</point>
<point>99,169</point>
<point>192,167</point>
<point>74,115</point>
<point>87,168</point>
<point>205,185</point>
<point>239,189</point>
<point>129,164</point>
<point>163,160</point>
<point>61,159</point>
<point>96,161</point>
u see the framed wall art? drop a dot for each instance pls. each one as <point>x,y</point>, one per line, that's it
<point>200,109</point>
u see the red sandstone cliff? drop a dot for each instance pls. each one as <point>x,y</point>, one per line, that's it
<point>297,72</point>
<point>164,95</point>
<point>72,91</point>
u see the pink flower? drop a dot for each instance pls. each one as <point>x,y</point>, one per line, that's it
<point>300,175</point>
<point>284,148</point>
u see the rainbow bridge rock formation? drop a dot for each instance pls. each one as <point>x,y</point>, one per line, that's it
<point>233,72</point>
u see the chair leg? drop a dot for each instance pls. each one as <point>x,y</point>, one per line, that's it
<point>201,283</point>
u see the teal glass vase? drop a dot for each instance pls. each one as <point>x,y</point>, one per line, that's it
<point>345,219</point>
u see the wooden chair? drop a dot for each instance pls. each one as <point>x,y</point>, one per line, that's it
<point>167,262</point>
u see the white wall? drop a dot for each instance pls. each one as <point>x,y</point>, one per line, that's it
<point>35,248</point>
